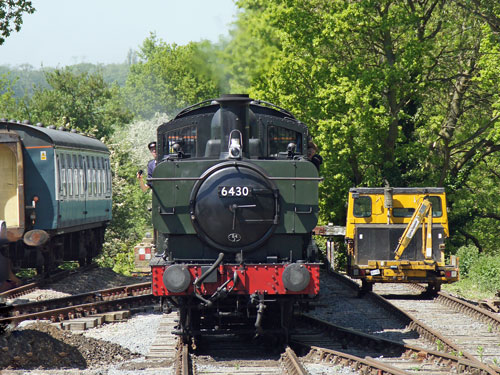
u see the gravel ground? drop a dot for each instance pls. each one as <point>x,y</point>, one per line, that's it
<point>116,348</point>
<point>112,349</point>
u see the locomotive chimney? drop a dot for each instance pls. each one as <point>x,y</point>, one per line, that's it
<point>234,125</point>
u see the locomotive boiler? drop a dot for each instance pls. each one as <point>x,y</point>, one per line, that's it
<point>235,200</point>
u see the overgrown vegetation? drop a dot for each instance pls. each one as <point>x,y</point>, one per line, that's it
<point>130,211</point>
<point>479,274</point>
<point>131,215</point>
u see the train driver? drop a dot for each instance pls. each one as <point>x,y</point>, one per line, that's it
<point>151,167</point>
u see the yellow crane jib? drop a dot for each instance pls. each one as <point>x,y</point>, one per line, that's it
<point>422,213</point>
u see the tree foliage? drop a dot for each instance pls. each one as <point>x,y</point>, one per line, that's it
<point>11,12</point>
<point>80,101</point>
<point>404,91</point>
<point>130,209</point>
<point>8,105</point>
<point>169,77</point>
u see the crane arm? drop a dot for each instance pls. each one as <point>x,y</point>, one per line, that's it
<point>423,211</point>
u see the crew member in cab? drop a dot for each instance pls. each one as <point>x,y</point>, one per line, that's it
<point>313,155</point>
<point>151,168</point>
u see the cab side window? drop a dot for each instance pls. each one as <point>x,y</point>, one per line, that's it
<point>362,207</point>
<point>437,208</point>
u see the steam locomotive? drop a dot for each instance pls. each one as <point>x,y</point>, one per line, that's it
<point>235,200</point>
<point>55,198</point>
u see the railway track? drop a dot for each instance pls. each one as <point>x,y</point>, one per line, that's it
<point>330,343</point>
<point>431,322</point>
<point>221,355</point>
<point>450,323</point>
<point>80,305</point>
<point>39,282</point>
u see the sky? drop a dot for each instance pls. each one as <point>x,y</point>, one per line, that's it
<point>65,32</point>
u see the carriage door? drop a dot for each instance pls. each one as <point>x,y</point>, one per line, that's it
<point>12,186</point>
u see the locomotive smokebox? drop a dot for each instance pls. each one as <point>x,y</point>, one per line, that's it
<point>232,123</point>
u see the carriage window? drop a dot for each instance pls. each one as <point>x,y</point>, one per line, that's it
<point>62,172</point>
<point>187,136</point>
<point>59,183</point>
<point>81,175</point>
<point>99,187</point>
<point>108,176</point>
<point>69,175</point>
<point>76,166</point>
<point>362,207</point>
<point>89,176</point>
<point>103,179</point>
<point>279,138</point>
<point>105,163</point>
<point>94,180</point>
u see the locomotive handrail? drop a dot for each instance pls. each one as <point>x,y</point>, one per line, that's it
<point>161,212</point>
<point>187,109</point>
<point>304,212</point>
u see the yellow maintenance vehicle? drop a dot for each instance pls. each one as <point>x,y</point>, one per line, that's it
<point>397,235</point>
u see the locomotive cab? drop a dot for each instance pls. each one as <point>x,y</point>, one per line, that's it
<point>235,200</point>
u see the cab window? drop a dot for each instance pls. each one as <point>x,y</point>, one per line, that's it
<point>437,209</point>
<point>279,139</point>
<point>186,137</point>
<point>403,211</point>
<point>362,207</point>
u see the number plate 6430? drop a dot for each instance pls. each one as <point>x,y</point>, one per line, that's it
<point>235,191</point>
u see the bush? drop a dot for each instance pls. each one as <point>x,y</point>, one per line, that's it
<point>468,256</point>
<point>485,271</point>
<point>130,212</point>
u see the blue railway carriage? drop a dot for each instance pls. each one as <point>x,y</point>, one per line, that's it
<point>55,197</point>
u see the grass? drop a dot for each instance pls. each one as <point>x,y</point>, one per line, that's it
<point>469,289</point>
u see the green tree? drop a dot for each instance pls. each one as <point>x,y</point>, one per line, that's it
<point>252,48</point>
<point>11,13</point>
<point>8,105</point>
<point>400,90</point>
<point>169,77</point>
<point>80,101</point>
